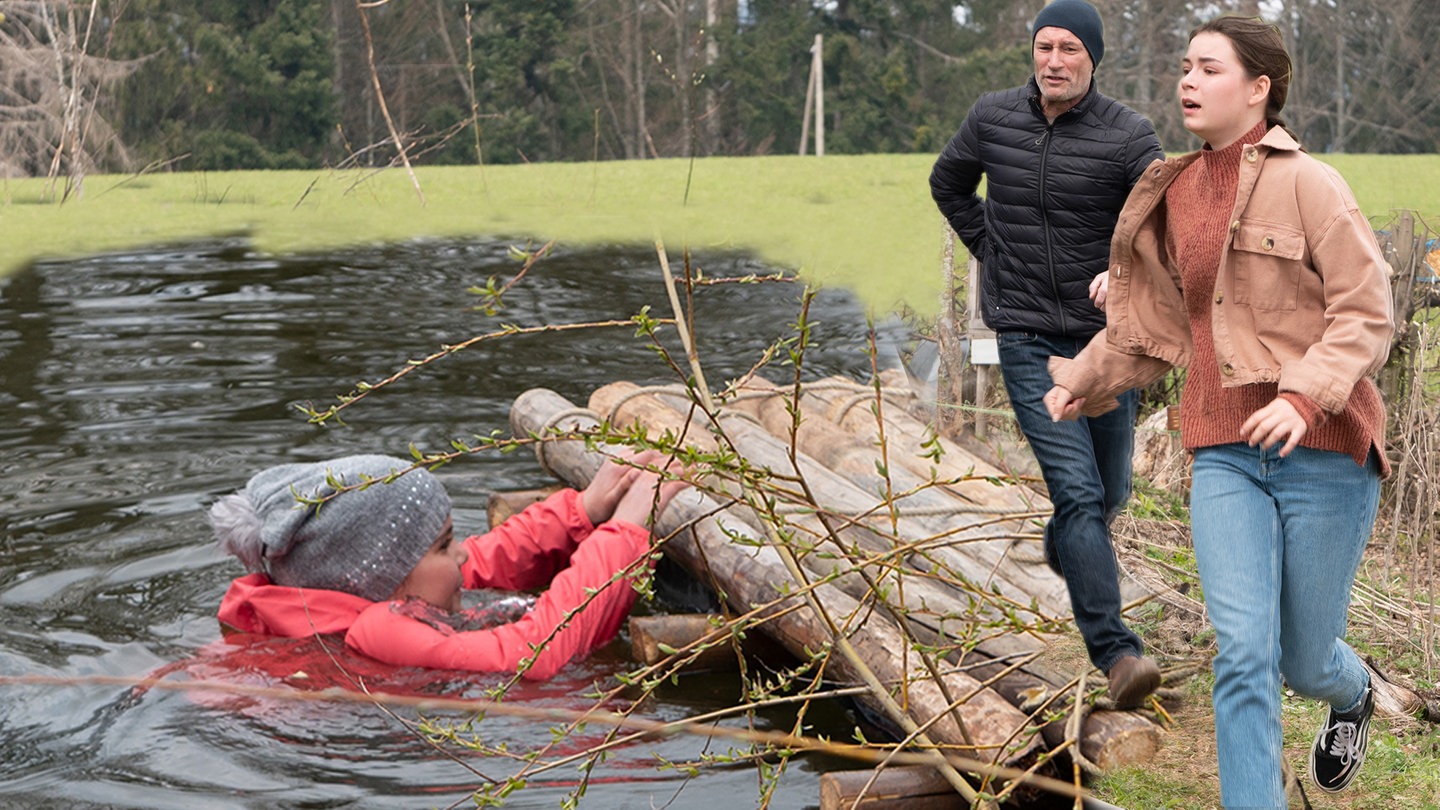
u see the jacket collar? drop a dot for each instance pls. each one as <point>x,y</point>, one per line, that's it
<point>1277,138</point>
<point>1079,109</point>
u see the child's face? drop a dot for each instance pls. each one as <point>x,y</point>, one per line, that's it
<point>437,577</point>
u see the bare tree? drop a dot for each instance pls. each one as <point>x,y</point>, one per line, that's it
<point>50,84</point>
<point>1145,40</point>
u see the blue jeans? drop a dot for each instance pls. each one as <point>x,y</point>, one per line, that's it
<point>1278,541</point>
<point>1086,465</point>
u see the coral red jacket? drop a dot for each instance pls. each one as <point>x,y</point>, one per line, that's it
<point>551,543</point>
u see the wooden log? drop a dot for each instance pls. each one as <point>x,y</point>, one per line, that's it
<point>924,600</point>
<point>1123,737</point>
<point>913,441</point>
<point>980,563</point>
<point>932,601</point>
<point>1114,738</point>
<point>903,787</point>
<point>978,536</point>
<point>656,638</point>
<point>1395,698</point>
<point>501,506</point>
<point>751,577</point>
<point>1117,739</point>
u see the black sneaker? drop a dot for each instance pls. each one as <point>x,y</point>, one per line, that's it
<point>1339,748</point>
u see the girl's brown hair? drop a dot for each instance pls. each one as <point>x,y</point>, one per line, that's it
<point>1261,50</point>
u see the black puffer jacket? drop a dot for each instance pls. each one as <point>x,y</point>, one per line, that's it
<point>1053,193</point>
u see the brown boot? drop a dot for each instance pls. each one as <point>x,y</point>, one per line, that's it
<point>1132,680</point>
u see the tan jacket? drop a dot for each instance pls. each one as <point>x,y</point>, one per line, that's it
<point>1302,297</point>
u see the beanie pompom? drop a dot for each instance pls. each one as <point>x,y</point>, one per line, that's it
<point>237,528</point>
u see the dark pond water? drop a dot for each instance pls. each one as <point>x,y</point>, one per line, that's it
<point>137,388</point>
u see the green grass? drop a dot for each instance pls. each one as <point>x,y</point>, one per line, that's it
<point>863,222</point>
<point>1399,771</point>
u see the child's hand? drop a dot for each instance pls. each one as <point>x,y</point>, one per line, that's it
<point>612,481</point>
<point>642,500</point>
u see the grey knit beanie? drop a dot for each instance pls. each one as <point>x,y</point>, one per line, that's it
<point>1079,18</point>
<point>362,541</point>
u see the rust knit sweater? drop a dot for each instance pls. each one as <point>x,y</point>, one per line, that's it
<point>1199,203</point>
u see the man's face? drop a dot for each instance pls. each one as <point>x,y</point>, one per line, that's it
<point>1062,69</point>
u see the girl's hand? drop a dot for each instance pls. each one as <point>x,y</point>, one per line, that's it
<point>1275,423</point>
<point>612,481</point>
<point>647,497</point>
<point>1060,405</point>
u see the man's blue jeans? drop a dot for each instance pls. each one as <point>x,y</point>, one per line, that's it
<point>1278,541</point>
<point>1086,465</point>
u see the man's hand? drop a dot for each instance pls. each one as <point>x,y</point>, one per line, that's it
<point>1100,289</point>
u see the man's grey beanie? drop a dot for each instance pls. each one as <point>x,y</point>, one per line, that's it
<point>1079,18</point>
<point>363,541</point>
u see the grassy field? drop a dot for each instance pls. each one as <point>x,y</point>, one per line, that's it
<point>865,223</point>
<point>862,222</point>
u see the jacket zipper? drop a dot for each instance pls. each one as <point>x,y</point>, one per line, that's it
<point>1044,142</point>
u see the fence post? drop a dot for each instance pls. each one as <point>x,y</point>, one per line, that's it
<point>984,353</point>
<point>1403,253</point>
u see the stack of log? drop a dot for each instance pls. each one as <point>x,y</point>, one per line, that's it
<point>874,539</point>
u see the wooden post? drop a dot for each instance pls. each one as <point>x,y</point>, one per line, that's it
<point>950,376</point>
<point>982,348</point>
<point>1404,256</point>
<point>809,105</point>
<point>815,99</point>
<point>818,70</point>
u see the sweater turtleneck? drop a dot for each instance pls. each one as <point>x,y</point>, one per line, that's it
<point>1200,204</point>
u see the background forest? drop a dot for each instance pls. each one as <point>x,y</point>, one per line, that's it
<point>122,85</point>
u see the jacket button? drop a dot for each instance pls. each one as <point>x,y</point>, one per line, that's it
<point>1227,369</point>
<point>1219,297</point>
<point>1267,243</point>
<point>1251,155</point>
<point>1235,226</point>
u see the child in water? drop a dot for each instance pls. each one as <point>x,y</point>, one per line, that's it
<point>347,546</point>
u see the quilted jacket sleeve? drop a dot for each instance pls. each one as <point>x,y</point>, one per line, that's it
<point>528,550</point>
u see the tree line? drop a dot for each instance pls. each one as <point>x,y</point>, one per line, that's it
<point>126,85</point>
